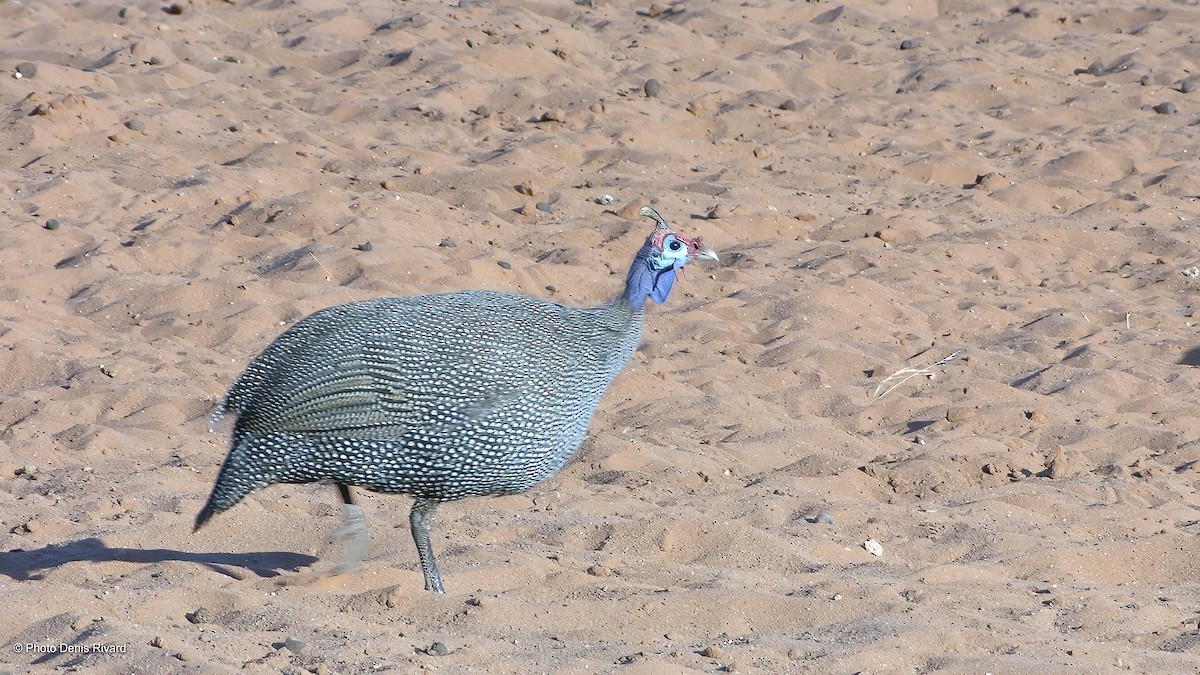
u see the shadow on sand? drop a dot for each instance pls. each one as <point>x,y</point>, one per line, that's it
<point>21,565</point>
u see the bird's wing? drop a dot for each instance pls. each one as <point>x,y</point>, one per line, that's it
<point>390,384</point>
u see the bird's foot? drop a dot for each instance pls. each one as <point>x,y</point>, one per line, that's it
<point>358,541</point>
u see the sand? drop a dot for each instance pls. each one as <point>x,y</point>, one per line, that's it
<point>1017,187</point>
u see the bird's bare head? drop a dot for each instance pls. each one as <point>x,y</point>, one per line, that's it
<point>664,253</point>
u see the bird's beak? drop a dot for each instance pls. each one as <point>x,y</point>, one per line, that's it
<point>706,253</point>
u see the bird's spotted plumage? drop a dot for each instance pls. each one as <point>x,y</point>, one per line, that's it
<point>436,396</point>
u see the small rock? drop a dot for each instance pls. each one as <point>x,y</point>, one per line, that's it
<point>504,264</point>
<point>1187,86</point>
<point>713,652</point>
<point>201,615</point>
<point>544,206</point>
<point>25,69</point>
<point>135,125</point>
<point>600,571</point>
<point>552,288</point>
<point>293,645</point>
<point>992,181</point>
<point>908,44</point>
<point>439,648</point>
<point>717,212</point>
<point>824,518</point>
<point>365,246</point>
<point>604,200</point>
<point>447,242</point>
<point>157,642</point>
<point>1057,464</point>
<point>392,185</point>
<point>51,224</point>
<point>652,88</point>
<point>1165,108</point>
<point>873,547</point>
<point>556,115</point>
<point>630,210</point>
<point>174,9</point>
<point>762,152</point>
<point>29,471</point>
<point>789,105</point>
<point>475,602</point>
<point>958,414</point>
<point>527,188</point>
<point>483,111</point>
<point>991,469</point>
<point>1096,68</point>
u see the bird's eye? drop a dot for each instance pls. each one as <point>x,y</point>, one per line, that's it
<point>674,245</point>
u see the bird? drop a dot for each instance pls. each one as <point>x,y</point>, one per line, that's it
<point>440,396</point>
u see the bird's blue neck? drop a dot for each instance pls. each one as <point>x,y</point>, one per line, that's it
<point>643,281</point>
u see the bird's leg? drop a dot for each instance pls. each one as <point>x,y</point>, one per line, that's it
<point>354,533</point>
<point>421,518</point>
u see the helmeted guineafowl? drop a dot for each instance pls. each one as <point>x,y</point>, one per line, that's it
<point>436,396</point>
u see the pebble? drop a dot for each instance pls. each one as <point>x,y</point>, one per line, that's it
<point>544,206</point>
<point>713,652</point>
<point>365,246</point>
<point>505,264</point>
<point>717,212</point>
<point>483,111</point>
<point>135,125</point>
<point>824,518</point>
<point>1165,108</point>
<point>556,115</point>
<point>25,69</point>
<point>1187,86</point>
<point>201,615</point>
<point>1097,68</point>
<point>873,547</point>
<point>51,224</point>
<point>552,288</point>
<point>959,414</point>
<point>527,188</point>
<point>652,87</point>
<point>293,645</point>
<point>439,648</point>
<point>174,9</point>
<point>157,642</point>
<point>600,571</point>
<point>447,242</point>
<point>604,200</point>
<point>789,104</point>
<point>908,44</point>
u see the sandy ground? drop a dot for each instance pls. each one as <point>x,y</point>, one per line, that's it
<point>889,183</point>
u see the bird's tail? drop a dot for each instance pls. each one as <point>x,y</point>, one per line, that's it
<point>242,473</point>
